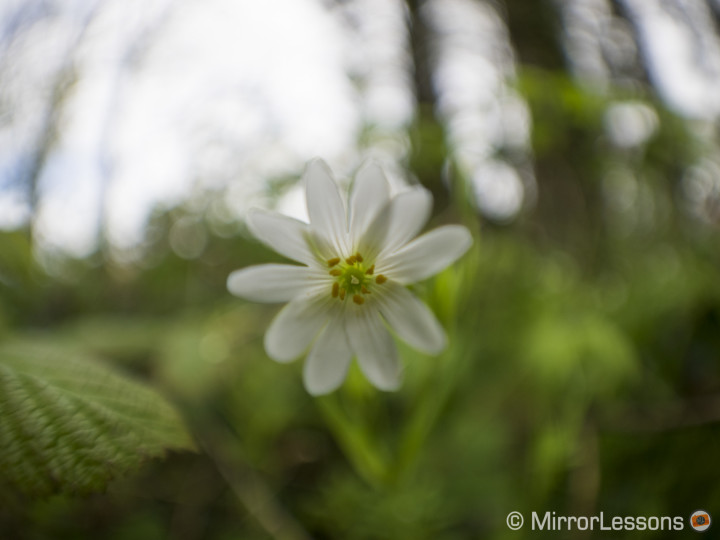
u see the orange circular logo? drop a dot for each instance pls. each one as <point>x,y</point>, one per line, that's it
<point>700,520</point>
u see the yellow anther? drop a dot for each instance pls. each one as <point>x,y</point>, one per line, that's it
<point>335,272</point>
<point>342,294</point>
<point>333,262</point>
<point>358,299</point>
<point>380,279</point>
<point>351,259</point>
<point>364,290</point>
<point>370,270</point>
<point>358,257</point>
<point>335,289</point>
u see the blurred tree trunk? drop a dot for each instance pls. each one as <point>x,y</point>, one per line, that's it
<point>47,135</point>
<point>428,151</point>
<point>567,207</point>
<point>534,27</point>
<point>420,37</point>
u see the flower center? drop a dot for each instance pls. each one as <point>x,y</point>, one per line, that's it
<point>354,278</point>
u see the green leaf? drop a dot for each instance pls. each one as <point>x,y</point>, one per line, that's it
<point>71,424</point>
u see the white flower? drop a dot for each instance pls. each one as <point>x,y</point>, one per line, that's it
<point>351,286</point>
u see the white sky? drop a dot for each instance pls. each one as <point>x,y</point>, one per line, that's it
<point>226,91</point>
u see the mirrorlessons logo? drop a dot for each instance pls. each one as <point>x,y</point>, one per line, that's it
<point>700,521</point>
<point>549,521</point>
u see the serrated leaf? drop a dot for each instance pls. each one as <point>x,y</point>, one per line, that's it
<point>71,424</point>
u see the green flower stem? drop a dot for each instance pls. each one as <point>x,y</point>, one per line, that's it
<point>429,405</point>
<point>438,387</point>
<point>351,423</point>
<point>356,441</point>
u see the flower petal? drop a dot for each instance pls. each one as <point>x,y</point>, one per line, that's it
<point>427,255</point>
<point>411,319</point>
<point>409,211</point>
<point>374,347</point>
<point>328,362</point>
<point>374,238</point>
<point>285,235</point>
<point>397,222</point>
<point>370,193</point>
<point>295,327</point>
<point>328,219</point>
<point>271,282</point>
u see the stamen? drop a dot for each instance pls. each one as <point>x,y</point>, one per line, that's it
<point>352,277</point>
